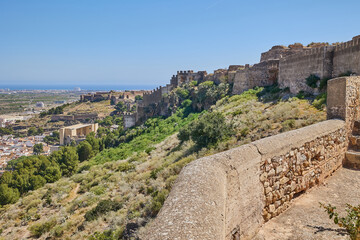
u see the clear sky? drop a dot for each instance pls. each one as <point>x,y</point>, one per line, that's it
<point>144,42</point>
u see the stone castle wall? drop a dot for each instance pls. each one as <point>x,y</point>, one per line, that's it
<point>261,74</point>
<point>294,69</point>
<point>347,57</point>
<point>231,194</point>
<point>279,52</point>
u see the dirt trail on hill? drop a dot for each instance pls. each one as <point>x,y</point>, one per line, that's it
<point>305,219</point>
<point>72,194</point>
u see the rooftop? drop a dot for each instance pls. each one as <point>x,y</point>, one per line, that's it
<point>77,126</point>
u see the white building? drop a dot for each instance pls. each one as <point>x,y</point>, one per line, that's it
<point>40,104</point>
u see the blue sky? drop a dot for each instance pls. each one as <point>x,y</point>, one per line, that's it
<point>138,42</point>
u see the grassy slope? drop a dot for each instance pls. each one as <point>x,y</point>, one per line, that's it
<point>141,190</point>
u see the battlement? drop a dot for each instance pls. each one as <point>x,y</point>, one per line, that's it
<point>185,72</point>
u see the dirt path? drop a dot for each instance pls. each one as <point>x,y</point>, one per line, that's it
<point>72,194</point>
<point>305,220</point>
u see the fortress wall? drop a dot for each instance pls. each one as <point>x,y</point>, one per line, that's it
<point>256,75</point>
<point>278,52</point>
<point>347,57</point>
<point>294,69</point>
<point>152,97</point>
<point>231,194</point>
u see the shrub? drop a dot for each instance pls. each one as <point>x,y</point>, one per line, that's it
<point>288,125</point>
<point>103,207</point>
<point>312,80</point>
<point>351,222</point>
<point>320,101</point>
<point>208,130</point>
<point>125,167</point>
<point>39,229</point>
<point>98,190</point>
<point>158,201</point>
<point>300,95</point>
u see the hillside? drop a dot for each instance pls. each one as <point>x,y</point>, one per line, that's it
<point>118,191</point>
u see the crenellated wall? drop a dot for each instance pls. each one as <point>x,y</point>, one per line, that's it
<point>347,57</point>
<point>231,194</point>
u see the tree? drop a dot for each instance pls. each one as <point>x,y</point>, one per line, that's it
<point>121,107</point>
<point>67,159</point>
<point>8,195</point>
<point>36,182</point>
<point>52,174</point>
<point>84,150</point>
<point>138,97</point>
<point>40,131</point>
<point>208,130</point>
<point>6,131</point>
<point>38,148</point>
<point>32,131</point>
<point>94,142</point>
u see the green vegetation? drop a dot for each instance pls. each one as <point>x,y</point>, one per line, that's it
<point>320,101</point>
<point>351,222</point>
<point>103,207</point>
<point>140,138</point>
<point>31,173</point>
<point>312,81</point>
<point>6,131</point>
<point>39,229</point>
<point>38,148</point>
<point>53,139</point>
<point>32,131</point>
<point>207,131</point>
<point>56,110</point>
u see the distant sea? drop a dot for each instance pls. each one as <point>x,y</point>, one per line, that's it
<point>82,87</point>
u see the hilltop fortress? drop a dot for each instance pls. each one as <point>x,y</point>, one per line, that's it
<point>287,66</point>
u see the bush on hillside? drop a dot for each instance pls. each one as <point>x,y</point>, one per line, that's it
<point>207,131</point>
<point>103,207</point>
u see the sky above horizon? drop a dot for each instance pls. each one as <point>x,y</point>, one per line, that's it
<point>114,42</point>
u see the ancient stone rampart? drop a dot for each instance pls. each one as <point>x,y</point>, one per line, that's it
<point>347,57</point>
<point>278,52</point>
<point>294,70</point>
<point>262,74</point>
<point>231,194</point>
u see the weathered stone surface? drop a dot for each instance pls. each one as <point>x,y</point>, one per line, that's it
<point>306,220</point>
